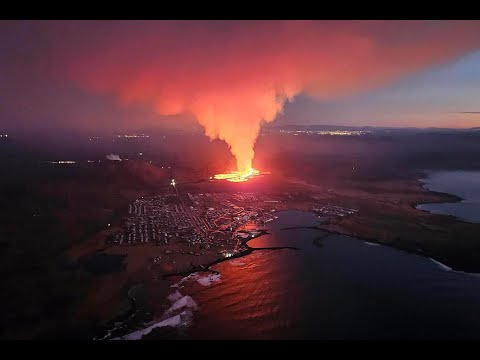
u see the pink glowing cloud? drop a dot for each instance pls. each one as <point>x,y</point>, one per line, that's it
<point>232,76</point>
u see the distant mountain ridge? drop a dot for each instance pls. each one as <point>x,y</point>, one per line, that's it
<point>273,128</point>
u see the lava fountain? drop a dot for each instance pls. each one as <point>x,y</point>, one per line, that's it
<point>238,176</point>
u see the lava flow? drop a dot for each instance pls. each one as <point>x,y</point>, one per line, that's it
<point>237,176</point>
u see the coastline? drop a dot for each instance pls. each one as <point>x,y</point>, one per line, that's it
<point>387,216</point>
<point>416,231</point>
<point>376,242</point>
<point>443,208</point>
<point>447,198</point>
<point>206,268</point>
<point>181,318</point>
<point>249,250</point>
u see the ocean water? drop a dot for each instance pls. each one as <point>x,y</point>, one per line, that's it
<point>333,287</point>
<point>465,184</point>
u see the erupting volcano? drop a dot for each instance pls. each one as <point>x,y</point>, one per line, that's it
<point>238,176</point>
<point>233,77</point>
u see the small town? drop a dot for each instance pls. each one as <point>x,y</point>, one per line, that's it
<point>333,210</point>
<point>202,220</point>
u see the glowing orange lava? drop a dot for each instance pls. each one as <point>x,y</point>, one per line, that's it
<point>237,176</point>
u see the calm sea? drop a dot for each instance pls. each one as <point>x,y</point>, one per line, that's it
<point>333,287</point>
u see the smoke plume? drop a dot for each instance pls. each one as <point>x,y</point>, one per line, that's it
<point>233,76</point>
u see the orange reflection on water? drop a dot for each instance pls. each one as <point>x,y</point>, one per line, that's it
<point>251,300</point>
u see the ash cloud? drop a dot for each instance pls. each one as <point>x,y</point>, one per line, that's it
<point>234,76</point>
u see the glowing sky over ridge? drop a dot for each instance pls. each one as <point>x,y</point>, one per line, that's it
<point>114,75</point>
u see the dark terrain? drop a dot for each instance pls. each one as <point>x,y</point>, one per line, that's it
<point>46,209</point>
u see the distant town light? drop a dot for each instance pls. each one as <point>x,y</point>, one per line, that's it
<point>133,136</point>
<point>327,132</point>
<point>63,162</point>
